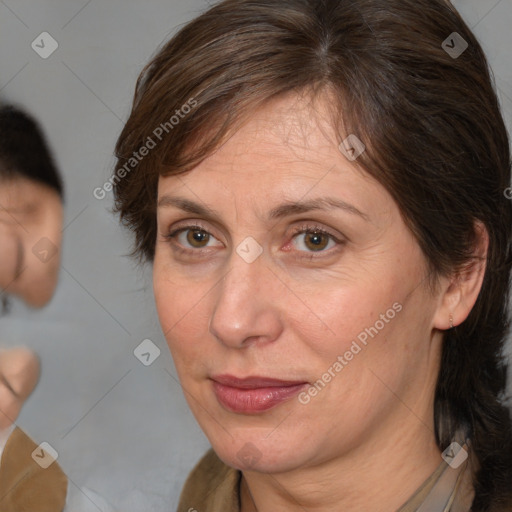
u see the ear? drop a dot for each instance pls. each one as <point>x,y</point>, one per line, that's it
<point>460,291</point>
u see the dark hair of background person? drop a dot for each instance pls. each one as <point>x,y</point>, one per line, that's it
<point>24,151</point>
<point>435,139</point>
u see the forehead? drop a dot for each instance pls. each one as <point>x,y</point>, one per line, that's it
<point>15,189</point>
<point>23,196</point>
<point>292,126</point>
<point>287,148</point>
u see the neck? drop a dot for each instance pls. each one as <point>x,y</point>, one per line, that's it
<point>379,475</point>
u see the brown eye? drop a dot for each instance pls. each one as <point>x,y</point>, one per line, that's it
<point>313,239</point>
<point>190,239</point>
<point>316,241</point>
<point>197,237</point>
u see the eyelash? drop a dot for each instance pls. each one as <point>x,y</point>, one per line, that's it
<point>305,228</point>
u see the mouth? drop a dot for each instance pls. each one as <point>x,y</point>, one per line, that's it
<point>253,395</point>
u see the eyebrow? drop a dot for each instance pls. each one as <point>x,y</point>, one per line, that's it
<point>283,210</point>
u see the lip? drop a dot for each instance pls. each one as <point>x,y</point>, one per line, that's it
<point>254,394</point>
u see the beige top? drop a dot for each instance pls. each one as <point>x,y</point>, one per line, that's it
<point>24,484</point>
<point>212,486</point>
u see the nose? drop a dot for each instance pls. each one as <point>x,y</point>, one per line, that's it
<point>247,306</point>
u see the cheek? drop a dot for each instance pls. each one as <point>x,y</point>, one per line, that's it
<point>378,345</point>
<point>367,341</point>
<point>341,315</point>
<point>8,251</point>
<point>49,224</point>
<point>44,244</point>
<point>43,255</point>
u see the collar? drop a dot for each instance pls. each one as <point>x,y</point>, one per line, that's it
<point>212,486</point>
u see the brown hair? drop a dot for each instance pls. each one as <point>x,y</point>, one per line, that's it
<point>434,137</point>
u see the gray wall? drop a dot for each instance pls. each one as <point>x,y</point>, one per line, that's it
<point>120,428</point>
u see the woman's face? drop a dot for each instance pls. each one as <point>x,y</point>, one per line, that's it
<point>30,237</point>
<point>293,346</point>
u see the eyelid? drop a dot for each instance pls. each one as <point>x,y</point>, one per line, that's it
<point>297,230</point>
<point>315,228</point>
<point>191,224</point>
<point>187,224</point>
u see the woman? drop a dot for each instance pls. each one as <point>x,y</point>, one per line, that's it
<point>319,185</point>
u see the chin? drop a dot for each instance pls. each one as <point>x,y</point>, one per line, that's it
<point>252,452</point>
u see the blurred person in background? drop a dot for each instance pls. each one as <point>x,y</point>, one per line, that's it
<point>31,221</point>
<point>31,216</point>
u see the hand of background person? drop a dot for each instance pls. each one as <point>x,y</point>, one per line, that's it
<point>19,373</point>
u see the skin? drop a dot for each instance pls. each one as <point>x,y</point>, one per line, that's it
<point>294,310</point>
<point>29,212</point>
<point>19,373</point>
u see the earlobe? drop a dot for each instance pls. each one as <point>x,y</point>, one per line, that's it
<point>462,289</point>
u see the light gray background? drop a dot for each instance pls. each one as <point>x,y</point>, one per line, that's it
<point>120,428</point>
